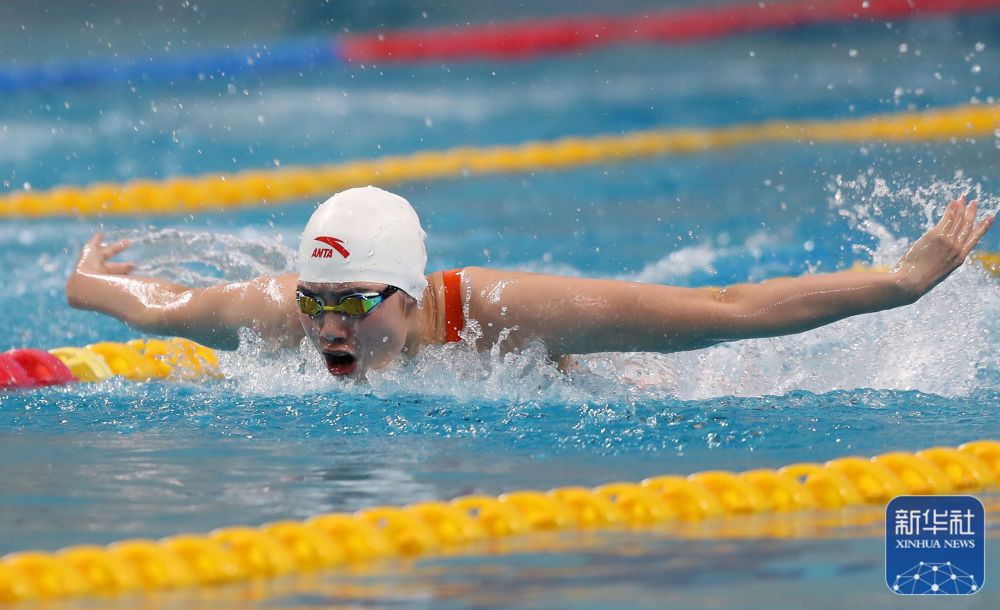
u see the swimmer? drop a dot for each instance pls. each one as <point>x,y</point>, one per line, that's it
<point>362,298</point>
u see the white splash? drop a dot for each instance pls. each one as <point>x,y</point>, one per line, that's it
<point>677,264</point>
<point>196,258</point>
<point>496,292</point>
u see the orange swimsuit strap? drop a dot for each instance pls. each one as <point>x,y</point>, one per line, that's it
<point>454,318</point>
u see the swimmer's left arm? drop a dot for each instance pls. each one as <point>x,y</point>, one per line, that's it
<point>578,315</point>
<point>211,316</point>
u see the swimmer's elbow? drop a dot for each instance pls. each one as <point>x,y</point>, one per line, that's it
<point>166,315</point>
<point>729,317</point>
<point>178,318</point>
<point>739,313</point>
<point>79,294</point>
<point>73,298</point>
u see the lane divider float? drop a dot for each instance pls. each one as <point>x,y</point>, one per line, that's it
<point>495,41</point>
<point>137,360</point>
<point>526,39</point>
<point>470,523</point>
<point>189,194</point>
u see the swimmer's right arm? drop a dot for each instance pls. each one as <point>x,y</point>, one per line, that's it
<point>211,316</point>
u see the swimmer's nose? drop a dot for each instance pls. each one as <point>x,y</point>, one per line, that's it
<point>336,328</point>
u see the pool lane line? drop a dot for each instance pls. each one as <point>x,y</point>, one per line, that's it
<point>481,523</point>
<point>514,40</point>
<point>533,38</point>
<point>218,65</point>
<point>249,188</point>
<point>137,360</point>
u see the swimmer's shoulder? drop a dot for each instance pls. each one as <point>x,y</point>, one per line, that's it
<point>287,282</point>
<point>432,309</point>
<point>276,315</point>
<point>434,302</point>
<point>275,290</point>
<point>435,306</point>
<point>471,278</point>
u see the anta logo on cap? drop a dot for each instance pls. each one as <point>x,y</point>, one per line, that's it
<point>334,243</point>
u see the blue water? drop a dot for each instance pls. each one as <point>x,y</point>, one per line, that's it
<point>278,439</point>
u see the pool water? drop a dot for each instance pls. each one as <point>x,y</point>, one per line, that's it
<point>277,438</point>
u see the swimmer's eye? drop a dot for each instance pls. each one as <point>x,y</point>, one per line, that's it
<point>308,305</point>
<point>356,305</point>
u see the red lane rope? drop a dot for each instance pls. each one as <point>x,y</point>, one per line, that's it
<point>530,38</point>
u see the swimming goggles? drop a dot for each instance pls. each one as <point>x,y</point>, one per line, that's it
<point>356,305</point>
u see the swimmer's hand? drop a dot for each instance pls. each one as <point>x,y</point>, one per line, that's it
<point>92,264</point>
<point>94,257</point>
<point>942,249</point>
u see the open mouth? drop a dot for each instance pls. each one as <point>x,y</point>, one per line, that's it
<point>340,363</point>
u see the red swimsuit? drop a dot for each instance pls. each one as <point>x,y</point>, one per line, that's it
<point>454,317</point>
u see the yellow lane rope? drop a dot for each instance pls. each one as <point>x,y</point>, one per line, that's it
<point>140,360</point>
<point>434,528</point>
<point>182,195</point>
<point>990,262</point>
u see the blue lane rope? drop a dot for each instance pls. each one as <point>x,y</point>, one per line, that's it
<point>274,57</point>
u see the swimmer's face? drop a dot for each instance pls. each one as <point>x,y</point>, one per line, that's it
<point>351,346</point>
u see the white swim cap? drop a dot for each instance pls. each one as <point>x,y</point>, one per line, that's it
<point>365,235</point>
